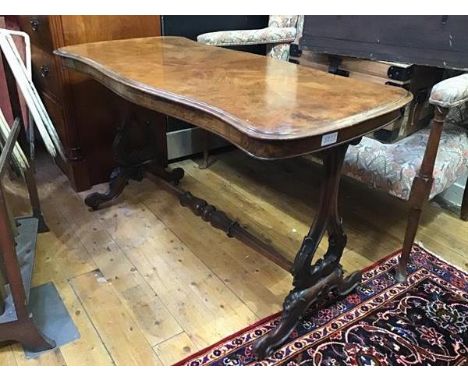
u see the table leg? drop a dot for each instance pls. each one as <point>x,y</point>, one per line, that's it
<point>132,163</point>
<point>318,283</point>
<point>118,180</point>
<point>206,150</point>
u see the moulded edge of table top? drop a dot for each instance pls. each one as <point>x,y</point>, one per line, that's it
<point>184,108</point>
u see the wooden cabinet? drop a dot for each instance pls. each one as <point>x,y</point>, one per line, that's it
<point>429,40</point>
<point>84,112</point>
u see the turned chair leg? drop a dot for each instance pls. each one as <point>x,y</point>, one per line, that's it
<point>206,150</point>
<point>464,205</point>
<point>421,189</point>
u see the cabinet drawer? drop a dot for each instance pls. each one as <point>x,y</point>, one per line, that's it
<point>37,27</point>
<point>45,73</point>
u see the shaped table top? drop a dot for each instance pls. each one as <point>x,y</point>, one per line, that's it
<point>246,98</point>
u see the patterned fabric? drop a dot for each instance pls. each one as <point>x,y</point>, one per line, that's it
<point>451,92</point>
<point>278,51</point>
<point>383,322</point>
<point>280,33</point>
<point>300,29</point>
<point>270,35</point>
<point>392,167</point>
<point>282,21</point>
<point>281,51</point>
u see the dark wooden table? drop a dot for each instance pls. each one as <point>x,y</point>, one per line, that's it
<point>268,108</point>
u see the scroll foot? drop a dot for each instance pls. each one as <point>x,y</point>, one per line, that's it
<point>174,176</point>
<point>298,302</point>
<point>118,180</point>
<point>348,284</point>
<point>318,284</point>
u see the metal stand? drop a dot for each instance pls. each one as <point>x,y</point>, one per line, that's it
<point>16,266</point>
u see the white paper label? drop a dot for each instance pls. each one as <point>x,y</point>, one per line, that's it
<point>328,139</point>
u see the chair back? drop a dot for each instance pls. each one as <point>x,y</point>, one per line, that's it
<point>281,51</point>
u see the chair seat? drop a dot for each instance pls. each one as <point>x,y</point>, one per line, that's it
<point>270,35</point>
<point>392,167</point>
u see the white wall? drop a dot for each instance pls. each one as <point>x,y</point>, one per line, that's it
<point>454,194</point>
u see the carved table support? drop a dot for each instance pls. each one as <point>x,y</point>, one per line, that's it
<point>218,219</point>
<point>323,281</point>
<point>132,164</point>
<point>314,284</point>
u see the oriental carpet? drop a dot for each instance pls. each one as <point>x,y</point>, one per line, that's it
<point>421,322</point>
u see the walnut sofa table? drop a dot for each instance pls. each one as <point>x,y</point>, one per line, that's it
<point>268,108</point>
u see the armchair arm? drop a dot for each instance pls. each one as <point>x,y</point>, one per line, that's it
<point>451,92</point>
<point>269,35</point>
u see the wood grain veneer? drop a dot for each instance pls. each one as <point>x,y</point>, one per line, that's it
<point>255,102</point>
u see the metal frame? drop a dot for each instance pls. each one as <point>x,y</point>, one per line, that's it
<point>17,324</point>
<point>22,74</point>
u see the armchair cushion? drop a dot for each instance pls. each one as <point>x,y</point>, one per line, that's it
<point>392,167</point>
<point>270,35</point>
<point>451,92</point>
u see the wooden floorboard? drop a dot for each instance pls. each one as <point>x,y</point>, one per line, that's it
<point>113,320</point>
<point>147,282</point>
<point>175,349</point>
<point>89,348</point>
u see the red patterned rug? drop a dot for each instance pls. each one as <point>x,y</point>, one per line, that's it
<point>421,322</point>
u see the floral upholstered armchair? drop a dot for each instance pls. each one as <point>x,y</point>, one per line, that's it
<point>282,31</point>
<point>422,165</point>
<point>393,167</point>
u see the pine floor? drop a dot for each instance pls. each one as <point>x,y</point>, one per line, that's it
<point>148,283</point>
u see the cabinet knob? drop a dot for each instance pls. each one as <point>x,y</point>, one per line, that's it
<point>34,23</point>
<point>44,71</point>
